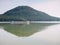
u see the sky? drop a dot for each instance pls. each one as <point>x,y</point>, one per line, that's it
<point>51,7</point>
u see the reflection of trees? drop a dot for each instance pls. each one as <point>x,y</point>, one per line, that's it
<point>24,30</point>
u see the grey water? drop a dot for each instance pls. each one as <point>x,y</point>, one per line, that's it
<point>48,36</point>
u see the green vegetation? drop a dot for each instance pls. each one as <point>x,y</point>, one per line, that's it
<point>23,13</point>
<point>24,30</point>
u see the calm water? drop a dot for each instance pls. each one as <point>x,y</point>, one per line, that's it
<point>33,34</point>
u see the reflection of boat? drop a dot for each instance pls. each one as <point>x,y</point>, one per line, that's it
<point>20,22</point>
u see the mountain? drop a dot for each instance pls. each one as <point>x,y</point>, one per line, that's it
<point>0,14</point>
<point>26,13</point>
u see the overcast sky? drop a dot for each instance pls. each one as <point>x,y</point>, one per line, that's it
<point>51,7</point>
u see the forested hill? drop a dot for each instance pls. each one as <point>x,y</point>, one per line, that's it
<point>26,13</point>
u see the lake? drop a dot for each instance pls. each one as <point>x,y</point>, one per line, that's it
<point>32,34</point>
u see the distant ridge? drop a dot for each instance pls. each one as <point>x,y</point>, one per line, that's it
<point>26,13</point>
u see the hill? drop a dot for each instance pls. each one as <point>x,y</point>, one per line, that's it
<point>26,13</point>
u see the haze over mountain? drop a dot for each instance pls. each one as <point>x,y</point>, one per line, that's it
<point>26,13</point>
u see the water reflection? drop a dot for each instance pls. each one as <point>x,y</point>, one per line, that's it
<point>49,36</point>
<point>51,33</point>
<point>24,30</point>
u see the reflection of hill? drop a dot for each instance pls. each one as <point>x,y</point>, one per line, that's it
<point>24,30</point>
